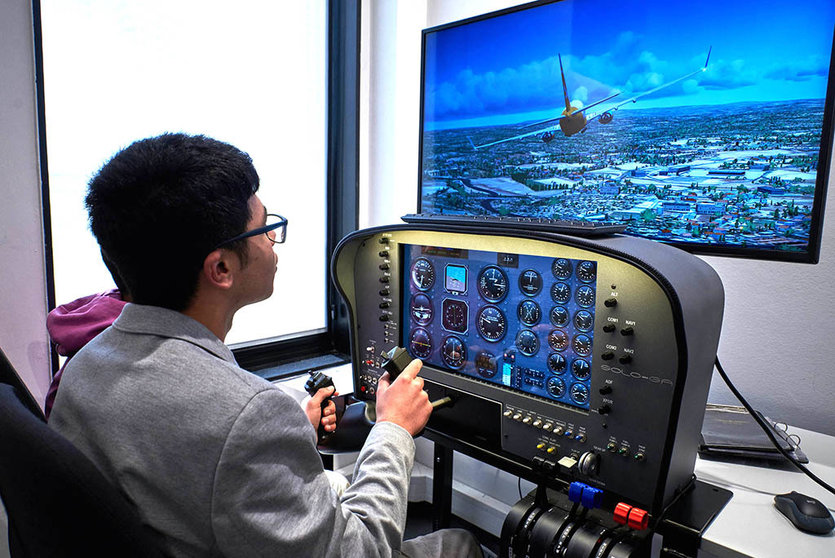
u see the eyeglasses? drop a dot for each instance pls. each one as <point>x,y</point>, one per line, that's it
<point>275,223</point>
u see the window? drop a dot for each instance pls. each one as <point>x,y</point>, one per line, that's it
<point>251,73</point>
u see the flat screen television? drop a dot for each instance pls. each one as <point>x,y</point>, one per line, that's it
<point>707,125</point>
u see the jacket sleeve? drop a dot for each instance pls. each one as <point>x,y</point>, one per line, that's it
<point>272,498</point>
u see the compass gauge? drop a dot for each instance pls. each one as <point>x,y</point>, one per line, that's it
<point>492,283</point>
<point>491,323</point>
<point>529,312</point>
<point>423,274</point>
<point>453,352</point>
<point>455,315</point>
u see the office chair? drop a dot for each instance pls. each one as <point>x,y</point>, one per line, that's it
<point>58,502</point>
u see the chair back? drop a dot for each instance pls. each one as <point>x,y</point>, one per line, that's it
<point>58,502</point>
<point>8,375</point>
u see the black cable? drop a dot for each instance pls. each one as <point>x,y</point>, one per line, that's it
<point>768,432</point>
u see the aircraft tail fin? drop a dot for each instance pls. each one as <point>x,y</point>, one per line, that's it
<point>564,87</point>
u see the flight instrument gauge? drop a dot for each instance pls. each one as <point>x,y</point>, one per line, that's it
<point>492,283</point>
<point>453,352</point>
<point>562,268</point>
<point>585,296</point>
<point>529,312</point>
<point>582,345</point>
<point>561,293</point>
<point>530,282</point>
<point>421,309</point>
<point>556,387</point>
<point>486,365</point>
<point>420,344</point>
<point>491,323</point>
<point>559,316</point>
<point>556,363</point>
<point>586,271</point>
<point>527,342</point>
<point>423,274</point>
<point>581,369</point>
<point>455,315</point>
<point>579,393</point>
<point>558,340</point>
<point>583,320</point>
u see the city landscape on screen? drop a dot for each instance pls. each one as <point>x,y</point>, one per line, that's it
<point>692,124</point>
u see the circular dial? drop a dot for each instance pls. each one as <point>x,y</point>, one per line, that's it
<point>529,312</point>
<point>421,309</point>
<point>555,387</point>
<point>527,342</point>
<point>491,323</point>
<point>581,369</point>
<point>586,271</point>
<point>579,393</point>
<point>492,283</point>
<point>584,296</point>
<point>486,365</point>
<point>562,268</point>
<point>423,274</point>
<point>420,344</point>
<point>530,282</point>
<point>455,314</point>
<point>556,363</point>
<point>559,316</point>
<point>558,340</point>
<point>582,345</point>
<point>583,320</point>
<point>561,293</point>
<point>453,352</point>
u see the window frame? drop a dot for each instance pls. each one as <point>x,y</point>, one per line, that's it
<point>291,354</point>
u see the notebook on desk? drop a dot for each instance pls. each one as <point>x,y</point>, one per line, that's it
<point>731,432</point>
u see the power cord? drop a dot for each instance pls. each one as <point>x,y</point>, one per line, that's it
<point>768,432</point>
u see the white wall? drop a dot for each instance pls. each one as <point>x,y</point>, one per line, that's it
<point>777,339</point>
<point>22,283</point>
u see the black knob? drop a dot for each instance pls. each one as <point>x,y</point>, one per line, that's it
<point>384,279</point>
<point>384,240</point>
<point>627,331</point>
<point>607,355</point>
<point>385,304</point>
<point>609,328</point>
<point>610,302</point>
<point>384,266</point>
<point>384,318</point>
<point>384,253</point>
<point>385,292</point>
<point>606,389</point>
<point>604,409</point>
<point>625,359</point>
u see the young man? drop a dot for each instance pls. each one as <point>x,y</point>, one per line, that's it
<point>218,461</point>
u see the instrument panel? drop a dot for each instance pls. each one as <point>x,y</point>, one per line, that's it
<point>579,359</point>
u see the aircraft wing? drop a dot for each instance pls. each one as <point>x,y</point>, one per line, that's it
<point>654,89</point>
<point>520,136</point>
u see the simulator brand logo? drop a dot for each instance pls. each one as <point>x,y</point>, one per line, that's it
<point>635,375</point>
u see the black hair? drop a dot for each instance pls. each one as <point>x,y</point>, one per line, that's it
<point>162,204</point>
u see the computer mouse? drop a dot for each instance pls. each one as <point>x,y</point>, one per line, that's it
<point>806,513</point>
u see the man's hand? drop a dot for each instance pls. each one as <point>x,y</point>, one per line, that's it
<point>315,413</point>
<point>404,402</point>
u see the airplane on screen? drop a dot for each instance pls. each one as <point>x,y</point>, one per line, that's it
<point>575,120</point>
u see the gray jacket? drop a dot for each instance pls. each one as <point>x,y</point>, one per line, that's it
<point>219,461</point>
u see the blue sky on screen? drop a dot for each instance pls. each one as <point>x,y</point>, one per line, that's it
<point>763,51</point>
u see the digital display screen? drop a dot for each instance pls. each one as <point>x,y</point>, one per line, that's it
<point>519,321</point>
<point>689,127</point>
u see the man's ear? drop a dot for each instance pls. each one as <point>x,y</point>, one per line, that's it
<point>218,268</point>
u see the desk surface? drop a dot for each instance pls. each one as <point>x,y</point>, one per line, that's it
<point>750,525</point>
